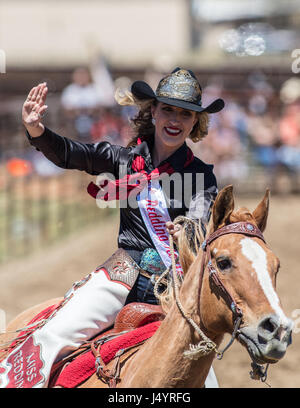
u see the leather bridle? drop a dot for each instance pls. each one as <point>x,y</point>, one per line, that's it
<point>244,228</point>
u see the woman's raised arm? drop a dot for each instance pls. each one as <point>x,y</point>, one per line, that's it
<point>33,109</point>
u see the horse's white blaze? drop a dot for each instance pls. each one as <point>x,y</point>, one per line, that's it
<point>257,256</point>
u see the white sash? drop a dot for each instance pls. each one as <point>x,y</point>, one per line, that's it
<point>154,211</point>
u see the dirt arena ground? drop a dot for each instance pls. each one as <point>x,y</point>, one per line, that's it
<point>51,272</point>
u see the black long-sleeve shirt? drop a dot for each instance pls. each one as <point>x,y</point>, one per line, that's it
<point>194,200</point>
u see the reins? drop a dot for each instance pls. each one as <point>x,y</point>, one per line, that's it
<point>205,346</point>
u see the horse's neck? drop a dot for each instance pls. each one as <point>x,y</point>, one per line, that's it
<point>160,362</point>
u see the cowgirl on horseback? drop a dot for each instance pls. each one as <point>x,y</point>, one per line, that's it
<point>139,180</point>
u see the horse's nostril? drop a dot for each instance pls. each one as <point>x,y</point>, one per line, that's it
<point>269,325</point>
<point>267,328</point>
<point>272,329</point>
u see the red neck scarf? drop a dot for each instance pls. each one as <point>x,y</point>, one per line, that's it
<point>120,189</point>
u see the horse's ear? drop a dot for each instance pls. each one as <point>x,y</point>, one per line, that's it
<point>223,207</point>
<point>260,214</point>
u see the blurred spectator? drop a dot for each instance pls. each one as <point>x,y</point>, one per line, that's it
<point>112,123</point>
<point>289,126</point>
<point>290,90</point>
<point>80,94</point>
<point>289,131</point>
<point>107,127</point>
<point>264,138</point>
<point>80,101</point>
<point>224,146</point>
<point>112,127</point>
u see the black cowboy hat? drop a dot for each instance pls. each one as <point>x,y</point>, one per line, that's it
<point>180,88</point>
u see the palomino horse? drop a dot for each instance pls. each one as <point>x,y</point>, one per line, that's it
<point>229,287</point>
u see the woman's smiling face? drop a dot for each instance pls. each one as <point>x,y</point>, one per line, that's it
<point>172,125</point>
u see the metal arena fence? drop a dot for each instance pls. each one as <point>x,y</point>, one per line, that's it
<point>36,212</point>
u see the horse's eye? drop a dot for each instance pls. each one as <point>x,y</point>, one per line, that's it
<point>224,264</point>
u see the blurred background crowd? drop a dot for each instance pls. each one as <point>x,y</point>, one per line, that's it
<point>245,52</point>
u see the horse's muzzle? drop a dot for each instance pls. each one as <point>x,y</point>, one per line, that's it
<point>267,342</point>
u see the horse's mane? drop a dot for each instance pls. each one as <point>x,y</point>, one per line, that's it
<point>188,245</point>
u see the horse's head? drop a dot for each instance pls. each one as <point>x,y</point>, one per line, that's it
<point>247,268</point>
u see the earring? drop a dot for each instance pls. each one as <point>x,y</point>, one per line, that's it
<point>153,121</point>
